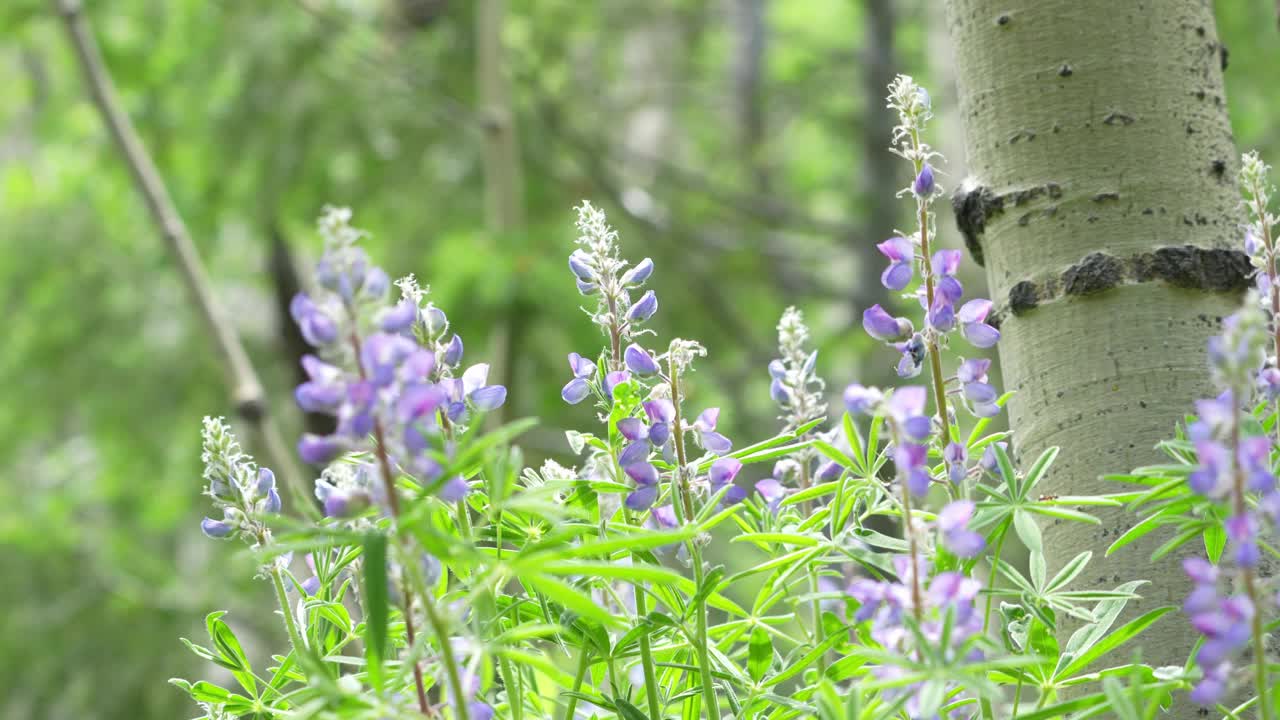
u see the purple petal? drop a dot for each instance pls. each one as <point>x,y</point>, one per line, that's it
<point>664,516</point>
<point>660,411</point>
<point>639,361</point>
<point>489,398</point>
<point>642,497</point>
<point>974,311</point>
<point>216,528</point>
<point>614,379</point>
<point>897,276</point>
<point>955,515</point>
<point>716,443</point>
<point>980,335</point>
<point>946,262</point>
<point>642,473</point>
<point>723,471</point>
<point>644,308</point>
<point>634,453</point>
<point>897,249</point>
<point>633,429</point>
<point>575,391</point>
<point>454,489</point>
<point>860,400</point>
<point>319,449</point>
<point>639,273</point>
<point>399,317</point>
<point>880,325</point>
<point>973,370</point>
<point>707,420</point>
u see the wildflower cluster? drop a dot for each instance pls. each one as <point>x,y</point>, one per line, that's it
<point>386,372</point>
<point>245,493</point>
<point>448,580</point>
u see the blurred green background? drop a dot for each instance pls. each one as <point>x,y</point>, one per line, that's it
<point>740,143</point>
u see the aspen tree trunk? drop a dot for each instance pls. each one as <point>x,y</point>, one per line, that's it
<point>503,180</point>
<point>1102,201</point>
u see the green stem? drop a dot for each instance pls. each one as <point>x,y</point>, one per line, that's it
<point>991,583</point>
<point>290,626</point>
<point>460,709</point>
<point>584,662</point>
<point>695,552</point>
<point>646,648</point>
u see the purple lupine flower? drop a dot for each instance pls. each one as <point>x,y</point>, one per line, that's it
<point>945,264</point>
<point>1269,382</point>
<point>713,441</point>
<point>1212,686</point>
<point>586,288</point>
<point>661,414</point>
<point>636,452</point>
<point>923,185</point>
<point>1254,457</point>
<point>973,323</point>
<point>324,391</point>
<point>435,320</point>
<point>913,356</point>
<point>580,267</point>
<point>399,317</point>
<point>1212,477</point>
<point>664,516</point>
<point>645,476</point>
<point>345,503</point>
<point>638,274</point>
<point>860,400</point>
<point>911,462</point>
<point>579,387</point>
<point>980,397</point>
<point>953,523</point>
<point>317,326</point>
<point>217,529</point>
<point>453,353</point>
<point>272,502</point>
<point>828,471</point>
<point>942,314</point>
<point>614,379</point>
<point>773,493</point>
<point>722,472</point>
<point>639,361</point>
<point>880,325</point>
<point>779,393</point>
<point>644,308</point>
<point>1242,531</point>
<point>989,462</point>
<point>955,455</point>
<point>901,254</point>
<point>320,449</point>
<point>906,407</point>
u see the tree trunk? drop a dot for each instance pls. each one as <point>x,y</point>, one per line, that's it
<point>503,186</point>
<point>1102,199</point>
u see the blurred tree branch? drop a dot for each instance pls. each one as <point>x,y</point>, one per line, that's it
<point>247,394</point>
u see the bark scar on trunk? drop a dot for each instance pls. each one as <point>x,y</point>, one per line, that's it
<point>1190,267</point>
<point>973,205</point>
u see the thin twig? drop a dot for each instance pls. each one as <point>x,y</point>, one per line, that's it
<point>246,390</point>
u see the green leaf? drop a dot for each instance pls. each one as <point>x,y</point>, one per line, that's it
<point>1041,466</point>
<point>1069,571</point>
<point>636,573</point>
<point>759,654</point>
<point>1144,527</point>
<point>377,611</point>
<point>1111,641</point>
<point>571,598</point>
<point>230,652</point>
<point>1028,531</point>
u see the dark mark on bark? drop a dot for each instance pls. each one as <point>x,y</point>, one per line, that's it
<point>1116,117</point>
<point>1095,273</point>
<point>1105,196</point>
<point>1183,266</point>
<point>1065,70</point>
<point>1023,297</point>
<point>1003,20</point>
<point>971,209</point>
<point>1195,268</point>
<point>1222,49</point>
<point>1219,168</point>
<point>1024,134</point>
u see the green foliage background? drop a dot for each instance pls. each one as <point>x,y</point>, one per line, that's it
<point>259,112</point>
